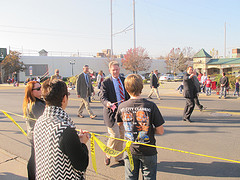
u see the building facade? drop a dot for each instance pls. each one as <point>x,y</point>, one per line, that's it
<point>203,62</point>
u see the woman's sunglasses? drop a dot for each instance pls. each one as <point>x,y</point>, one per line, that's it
<point>37,89</point>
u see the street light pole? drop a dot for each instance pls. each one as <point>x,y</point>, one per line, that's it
<point>134,26</point>
<point>72,63</point>
<point>111,32</point>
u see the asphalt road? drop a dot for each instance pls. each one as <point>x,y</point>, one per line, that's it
<point>214,132</point>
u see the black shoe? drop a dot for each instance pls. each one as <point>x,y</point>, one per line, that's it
<point>149,97</point>
<point>188,120</point>
<point>107,161</point>
<point>121,163</point>
<point>184,120</point>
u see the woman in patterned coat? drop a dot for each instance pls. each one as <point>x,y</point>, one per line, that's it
<point>60,152</point>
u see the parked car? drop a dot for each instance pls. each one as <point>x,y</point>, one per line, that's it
<point>138,74</point>
<point>179,77</point>
<point>166,77</point>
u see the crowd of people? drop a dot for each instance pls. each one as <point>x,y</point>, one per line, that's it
<point>58,151</point>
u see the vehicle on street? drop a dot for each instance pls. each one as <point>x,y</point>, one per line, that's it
<point>179,77</point>
<point>166,77</point>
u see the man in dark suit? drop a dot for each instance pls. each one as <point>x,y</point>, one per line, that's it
<point>154,85</point>
<point>190,92</point>
<point>112,94</point>
<point>84,90</point>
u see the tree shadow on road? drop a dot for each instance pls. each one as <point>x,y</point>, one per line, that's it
<point>214,169</point>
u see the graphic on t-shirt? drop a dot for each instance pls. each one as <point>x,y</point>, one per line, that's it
<point>127,121</point>
<point>142,127</point>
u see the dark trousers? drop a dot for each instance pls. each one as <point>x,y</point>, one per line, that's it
<point>190,104</point>
<point>196,100</point>
<point>31,167</point>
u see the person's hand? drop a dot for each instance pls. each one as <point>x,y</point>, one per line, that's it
<point>79,96</point>
<point>120,123</point>
<point>109,104</point>
<point>83,136</point>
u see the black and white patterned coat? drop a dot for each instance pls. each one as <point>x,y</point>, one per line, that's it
<point>52,162</point>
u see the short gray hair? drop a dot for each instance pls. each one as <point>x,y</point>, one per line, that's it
<point>112,63</point>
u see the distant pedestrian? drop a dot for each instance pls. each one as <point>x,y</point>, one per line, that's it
<point>100,78</point>
<point>224,85</point>
<point>190,92</point>
<point>33,107</point>
<point>203,79</point>
<point>208,84</point>
<point>236,88</point>
<point>56,75</point>
<point>84,91</point>
<point>154,84</point>
<point>180,88</point>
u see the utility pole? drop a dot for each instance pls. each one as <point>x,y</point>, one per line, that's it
<point>134,26</point>
<point>111,31</point>
<point>225,40</point>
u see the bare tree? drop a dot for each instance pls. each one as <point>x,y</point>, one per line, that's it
<point>178,59</point>
<point>136,60</point>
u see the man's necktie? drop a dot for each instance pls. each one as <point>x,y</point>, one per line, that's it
<point>120,89</point>
<point>87,81</point>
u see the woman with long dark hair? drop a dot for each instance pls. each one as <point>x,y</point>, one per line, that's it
<point>33,107</point>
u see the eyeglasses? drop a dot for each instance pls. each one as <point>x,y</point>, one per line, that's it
<point>37,89</point>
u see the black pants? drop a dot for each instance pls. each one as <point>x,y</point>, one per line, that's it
<point>196,100</point>
<point>190,104</point>
<point>31,167</point>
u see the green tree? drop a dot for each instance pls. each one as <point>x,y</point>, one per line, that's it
<point>136,60</point>
<point>11,64</point>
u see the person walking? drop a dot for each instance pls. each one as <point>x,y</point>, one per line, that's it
<point>33,107</point>
<point>203,79</point>
<point>56,75</point>
<point>100,78</point>
<point>60,151</point>
<point>190,92</point>
<point>236,91</point>
<point>224,85</point>
<point>142,120</point>
<point>154,84</point>
<point>84,91</point>
<point>197,85</point>
<point>112,94</point>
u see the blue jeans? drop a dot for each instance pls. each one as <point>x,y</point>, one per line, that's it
<point>208,91</point>
<point>223,91</point>
<point>148,165</point>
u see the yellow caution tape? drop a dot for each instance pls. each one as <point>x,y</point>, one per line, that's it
<point>6,114</point>
<point>109,151</point>
<point>115,153</point>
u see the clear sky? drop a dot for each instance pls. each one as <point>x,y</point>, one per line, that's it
<point>84,25</point>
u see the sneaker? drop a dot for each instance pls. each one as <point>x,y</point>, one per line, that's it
<point>93,116</point>
<point>81,116</point>
<point>107,161</point>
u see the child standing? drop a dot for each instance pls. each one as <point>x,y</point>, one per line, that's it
<point>236,88</point>
<point>208,84</point>
<point>141,119</point>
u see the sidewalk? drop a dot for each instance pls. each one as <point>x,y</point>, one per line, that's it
<point>12,167</point>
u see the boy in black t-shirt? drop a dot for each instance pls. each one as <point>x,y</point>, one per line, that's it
<point>141,119</point>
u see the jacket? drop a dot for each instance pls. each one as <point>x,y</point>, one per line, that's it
<point>84,89</point>
<point>108,94</point>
